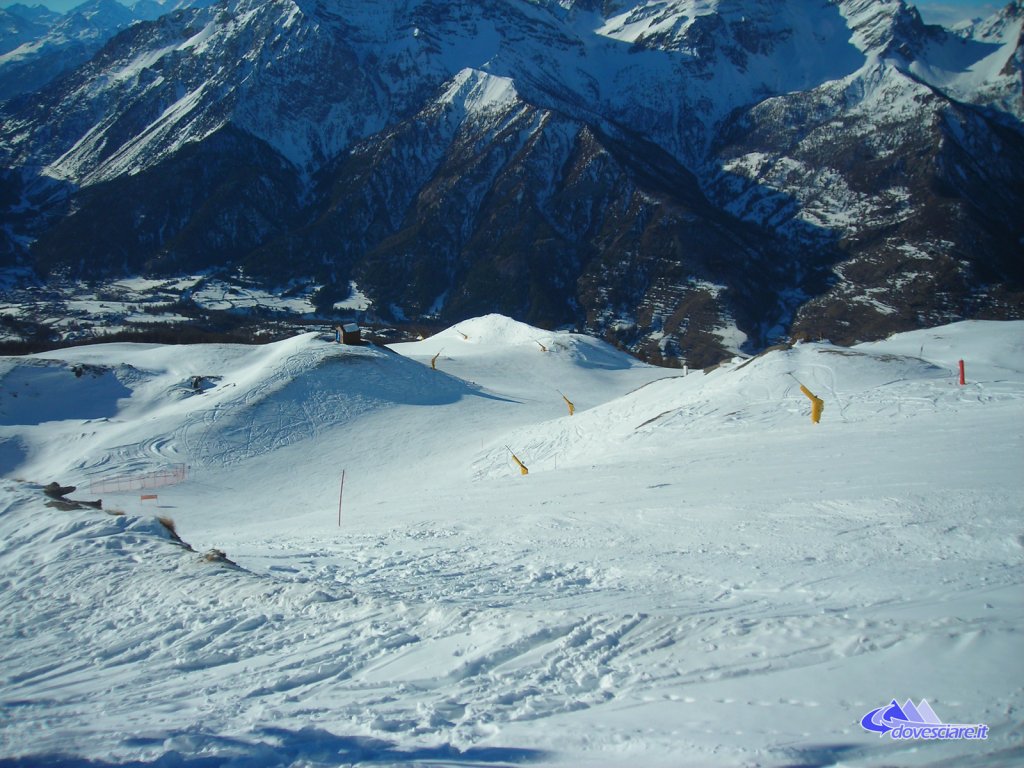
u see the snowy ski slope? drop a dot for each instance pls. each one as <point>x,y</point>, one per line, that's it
<point>691,574</point>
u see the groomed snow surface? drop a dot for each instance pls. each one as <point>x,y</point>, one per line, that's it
<point>691,574</point>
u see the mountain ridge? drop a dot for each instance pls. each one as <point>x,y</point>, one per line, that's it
<point>686,179</point>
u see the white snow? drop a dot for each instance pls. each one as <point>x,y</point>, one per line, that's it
<point>219,295</point>
<point>357,301</point>
<point>98,309</point>
<point>132,156</point>
<point>692,573</point>
<point>476,91</point>
<point>134,67</point>
<point>978,68</point>
<point>199,40</point>
<point>732,337</point>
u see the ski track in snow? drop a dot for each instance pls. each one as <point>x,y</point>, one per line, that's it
<point>691,574</point>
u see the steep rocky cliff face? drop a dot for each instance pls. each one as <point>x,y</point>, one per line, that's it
<point>687,178</point>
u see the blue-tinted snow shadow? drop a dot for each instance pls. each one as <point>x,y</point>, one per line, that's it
<point>12,454</point>
<point>36,391</point>
<point>473,389</point>
<point>830,755</point>
<point>821,755</point>
<point>386,376</point>
<point>273,747</point>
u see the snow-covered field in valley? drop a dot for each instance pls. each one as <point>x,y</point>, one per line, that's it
<point>691,574</point>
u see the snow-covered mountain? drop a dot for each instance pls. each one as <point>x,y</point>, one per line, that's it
<point>20,23</point>
<point>691,573</point>
<point>60,43</point>
<point>38,46</point>
<point>683,177</point>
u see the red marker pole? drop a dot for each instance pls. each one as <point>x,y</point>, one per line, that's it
<point>962,379</point>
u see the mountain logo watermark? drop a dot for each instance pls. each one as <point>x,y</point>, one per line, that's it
<point>919,721</point>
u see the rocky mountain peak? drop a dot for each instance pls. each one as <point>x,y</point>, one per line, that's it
<point>687,178</point>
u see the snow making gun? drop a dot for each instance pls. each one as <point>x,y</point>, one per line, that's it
<point>522,467</point>
<point>817,404</point>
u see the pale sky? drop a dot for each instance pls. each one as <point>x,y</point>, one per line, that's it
<point>933,11</point>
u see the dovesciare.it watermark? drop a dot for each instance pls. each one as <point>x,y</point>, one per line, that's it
<point>919,721</point>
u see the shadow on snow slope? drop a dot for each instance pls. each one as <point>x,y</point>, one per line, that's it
<point>252,400</point>
<point>282,747</point>
<point>36,391</point>
<point>291,405</point>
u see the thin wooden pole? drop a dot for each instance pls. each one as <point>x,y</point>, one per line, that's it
<point>341,494</point>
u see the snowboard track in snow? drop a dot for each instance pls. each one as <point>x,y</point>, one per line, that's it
<point>691,573</point>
